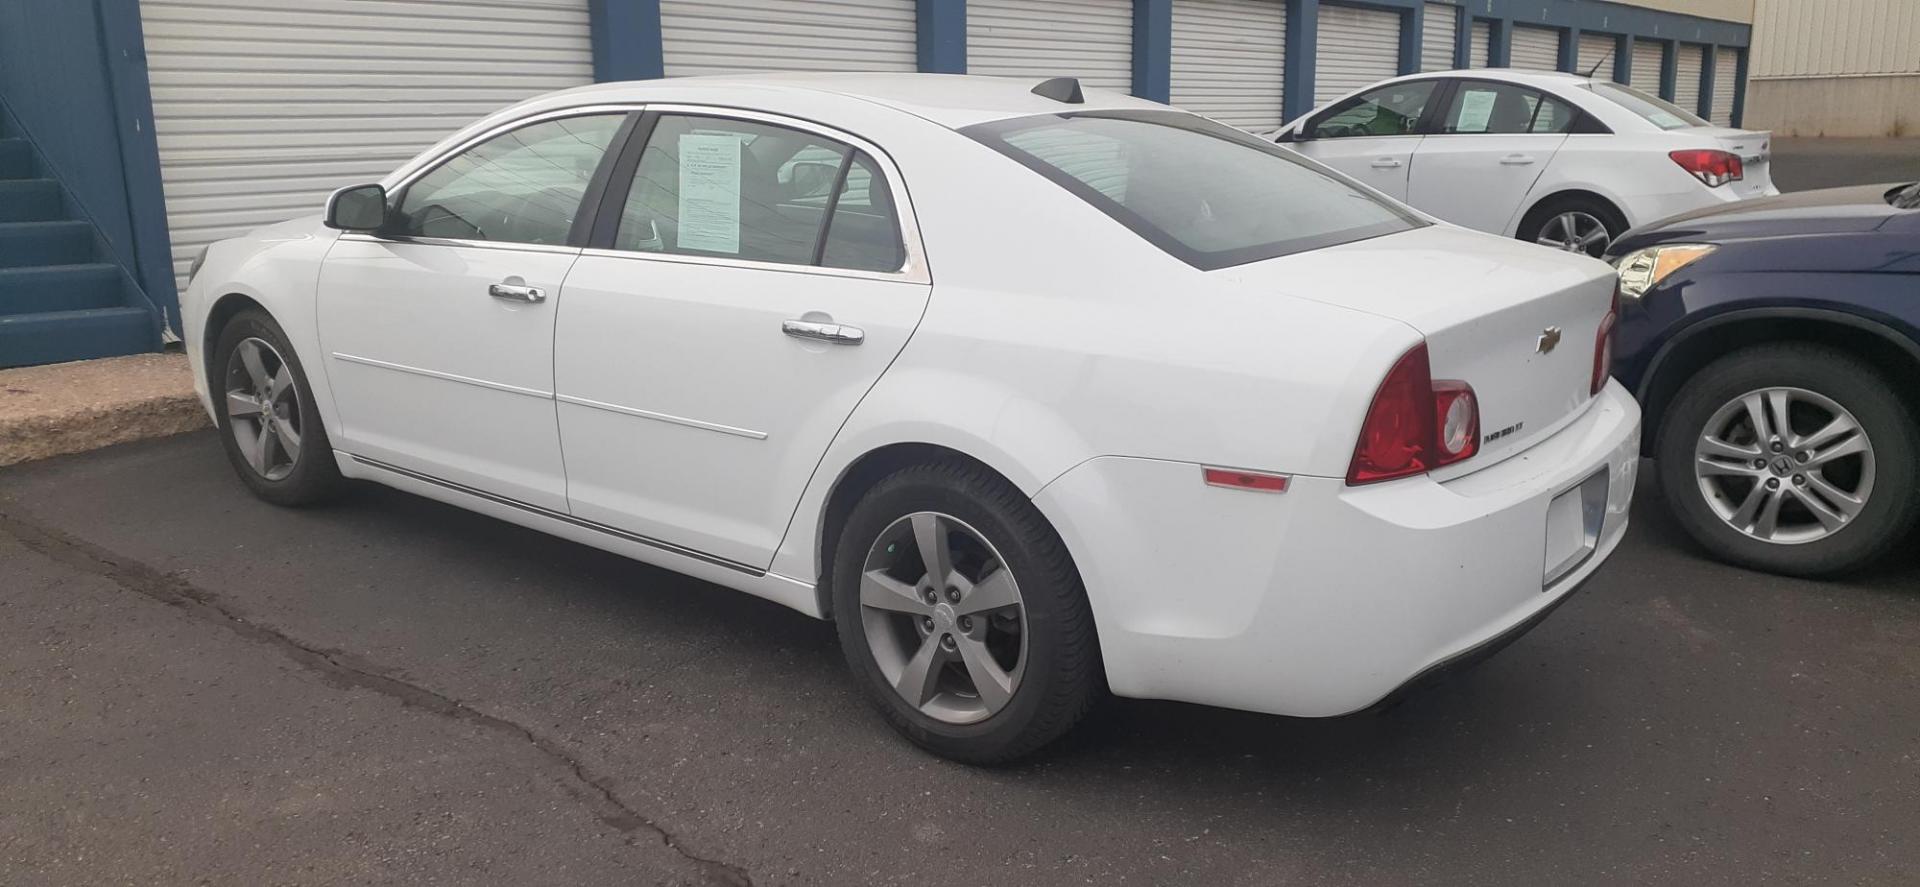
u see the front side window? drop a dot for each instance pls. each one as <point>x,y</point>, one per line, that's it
<point>522,186</point>
<point>1206,193</point>
<point>737,189</point>
<point>1391,110</point>
<point>1487,108</point>
<point>1654,110</point>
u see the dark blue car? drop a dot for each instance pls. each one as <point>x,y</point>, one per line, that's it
<point>1775,347</point>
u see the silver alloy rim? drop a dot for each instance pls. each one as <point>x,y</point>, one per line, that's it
<point>1784,465</point>
<point>263,408</point>
<point>943,618</point>
<point>1576,232</point>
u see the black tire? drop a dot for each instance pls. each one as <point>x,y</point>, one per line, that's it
<point>1891,509</point>
<point>1533,225</point>
<point>1062,674</point>
<point>314,476</point>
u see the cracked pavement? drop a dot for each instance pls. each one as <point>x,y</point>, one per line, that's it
<point>197,687</point>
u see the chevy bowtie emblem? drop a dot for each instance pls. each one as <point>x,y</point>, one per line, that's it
<point>1549,340</point>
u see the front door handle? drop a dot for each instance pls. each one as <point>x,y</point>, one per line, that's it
<point>837,333</point>
<point>514,292</point>
<point>1387,163</point>
<point>1517,159</point>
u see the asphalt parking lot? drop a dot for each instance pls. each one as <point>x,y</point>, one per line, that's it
<point>197,687</point>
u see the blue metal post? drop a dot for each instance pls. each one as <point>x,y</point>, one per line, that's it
<point>941,37</point>
<point>1303,31</point>
<point>1500,47</point>
<point>1622,59</point>
<point>1152,49</point>
<point>625,39</point>
<point>1412,38</point>
<point>1669,68</point>
<point>124,46</point>
<point>1707,86</point>
<point>1740,88</point>
<point>1570,50</point>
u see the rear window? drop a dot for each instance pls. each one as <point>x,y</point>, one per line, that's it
<point>1654,110</point>
<point>1206,193</point>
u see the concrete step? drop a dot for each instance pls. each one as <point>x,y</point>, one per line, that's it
<point>60,288</point>
<point>30,200</point>
<point>27,244</point>
<point>75,407</point>
<point>16,159</point>
<point>59,336</point>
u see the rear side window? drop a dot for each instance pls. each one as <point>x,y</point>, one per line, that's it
<point>1206,193</point>
<point>1652,109</point>
<point>1487,108</point>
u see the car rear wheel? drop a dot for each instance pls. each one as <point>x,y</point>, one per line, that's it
<point>1792,459</point>
<point>962,615</point>
<point>1574,224</point>
<point>268,424</point>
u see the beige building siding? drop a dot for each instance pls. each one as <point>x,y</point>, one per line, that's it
<point>1725,10</point>
<point>1843,68</point>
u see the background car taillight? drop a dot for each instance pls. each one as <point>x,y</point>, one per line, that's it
<point>1712,168</point>
<point>1603,344</point>
<point>1415,424</point>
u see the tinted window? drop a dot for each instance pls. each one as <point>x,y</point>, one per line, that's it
<point>1652,109</point>
<point>1389,111</point>
<point>710,186</point>
<point>1206,193</point>
<point>1487,108</point>
<point>522,186</point>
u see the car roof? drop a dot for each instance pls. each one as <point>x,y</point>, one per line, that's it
<point>951,100</point>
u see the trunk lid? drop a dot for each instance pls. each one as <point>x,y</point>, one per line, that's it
<point>1487,307</point>
<point>1755,150</point>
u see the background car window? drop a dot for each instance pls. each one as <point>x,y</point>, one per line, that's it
<point>1389,111</point>
<point>522,186</point>
<point>1505,109</point>
<point>709,186</point>
<point>865,232</point>
<point>1207,193</point>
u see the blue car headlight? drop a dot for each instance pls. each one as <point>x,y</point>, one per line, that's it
<point>1643,269</point>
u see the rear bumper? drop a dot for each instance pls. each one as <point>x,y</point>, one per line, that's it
<point>1689,196</point>
<point>1326,599</point>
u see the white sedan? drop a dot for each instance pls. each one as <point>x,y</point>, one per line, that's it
<point>1032,392</point>
<point>1557,159</point>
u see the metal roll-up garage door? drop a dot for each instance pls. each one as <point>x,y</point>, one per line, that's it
<point>1356,47</point>
<point>1648,58</point>
<point>1534,49</point>
<point>1438,31</point>
<point>1687,68</point>
<point>727,36</point>
<point>1726,79</point>
<point>263,107</point>
<point>1088,39</point>
<point>1598,49</point>
<point>1229,60</point>
<point>1480,49</point>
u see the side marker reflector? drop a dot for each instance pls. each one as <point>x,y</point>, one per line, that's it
<point>1245,480</point>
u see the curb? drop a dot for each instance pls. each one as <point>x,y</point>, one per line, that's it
<point>68,408</point>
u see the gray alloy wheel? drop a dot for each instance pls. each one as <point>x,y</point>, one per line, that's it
<point>1576,232</point>
<point>263,408</point>
<point>943,618</point>
<point>1784,465</point>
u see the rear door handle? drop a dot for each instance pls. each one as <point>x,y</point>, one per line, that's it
<point>513,292</point>
<point>837,333</point>
<point>1387,163</point>
<point>1517,159</point>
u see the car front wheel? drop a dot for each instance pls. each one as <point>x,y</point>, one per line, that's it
<point>268,423</point>
<point>1794,459</point>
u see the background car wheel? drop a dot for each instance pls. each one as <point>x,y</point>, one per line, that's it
<point>268,424</point>
<point>962,615</point>
<point>1574,224</point>
<point>1792,459</point>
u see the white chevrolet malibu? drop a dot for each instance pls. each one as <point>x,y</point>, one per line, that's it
<point>1033,392</point>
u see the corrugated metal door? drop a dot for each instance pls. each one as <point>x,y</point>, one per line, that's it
<point>1438,30</point>
<point>1598,49</point>
<point>1535,49</point>
<point>727,36</point>
<point>1686,76</point>
<point>1355,47</point>
<point>1481,47</point>
<point>1229,60</point>
<point>1088,39</point>
<point>1647,61</point>
<point>1726,77</point>
<point>263,107</point>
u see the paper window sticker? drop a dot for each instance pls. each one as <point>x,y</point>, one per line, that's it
<point>710,193</point>
<point>1476,108</point>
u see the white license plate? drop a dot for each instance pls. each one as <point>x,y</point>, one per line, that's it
<point>1574,519</point>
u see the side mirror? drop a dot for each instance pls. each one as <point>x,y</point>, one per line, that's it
<point>358,208</point>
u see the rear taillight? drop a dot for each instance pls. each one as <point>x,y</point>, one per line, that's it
<point>1415,424</point>
<point>1603,344</point>
<point>1712,168</point>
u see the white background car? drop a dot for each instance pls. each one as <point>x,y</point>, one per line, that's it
<point>1016,389</point>
<point>1559,159</point>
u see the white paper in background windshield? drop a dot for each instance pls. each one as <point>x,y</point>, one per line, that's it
<point>1476,108</point>
<point>710,193</point>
